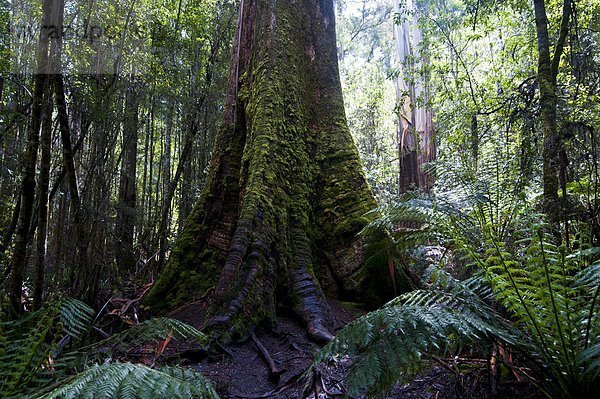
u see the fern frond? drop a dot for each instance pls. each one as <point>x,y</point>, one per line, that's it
<point>589,359</point>
<point>388,344</point>
<point>76,317</point>
<point>28,343</point>
<point>389,222</point>
<point>154,329</point>
<point>590,276</point>
<point>131,381</point>
<point>29,359</point>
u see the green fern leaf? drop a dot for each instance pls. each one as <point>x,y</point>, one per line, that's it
<point>124,380</point>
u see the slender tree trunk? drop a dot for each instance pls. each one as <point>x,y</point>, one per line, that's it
<point>150,206</point>
<point>163,226</point>
<point>19,260</point>
<point>168,189</point>
<point>67,148</point>
<point>167,137</point>
<point>7,234</point>
<point>547,74</point>
<point>59,235</point>
<point>126,211</point>
<point>186,193</point>
<point>285,198</point>
<point>46,154</point>
<point>42,216</point>
<point>75,250</point>
<point>145,186</point>
<point>159,183</point>
<point>475,141</point>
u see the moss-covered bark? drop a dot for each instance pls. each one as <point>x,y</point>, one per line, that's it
<point>285,196</point>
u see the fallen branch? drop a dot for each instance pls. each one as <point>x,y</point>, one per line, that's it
<point>274,371</point>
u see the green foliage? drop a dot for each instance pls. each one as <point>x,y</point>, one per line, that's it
<point>29,344</point>
<point>42,355</point>
<point>548,296</point>
<point>365,53</point>
<point>552,294</point>
<point>131,381</point>
<point>154,329</point>
<point>389,344</point>
<point>76,317</point>
<point>389,236</point>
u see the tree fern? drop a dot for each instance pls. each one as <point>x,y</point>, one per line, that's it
<point>556,306</point>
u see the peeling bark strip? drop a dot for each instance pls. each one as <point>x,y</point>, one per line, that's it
<point>285,196</point>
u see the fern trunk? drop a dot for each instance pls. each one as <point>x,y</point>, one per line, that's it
<point>285,198</point>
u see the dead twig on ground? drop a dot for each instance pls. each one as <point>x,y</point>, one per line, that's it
<point>274,371</point>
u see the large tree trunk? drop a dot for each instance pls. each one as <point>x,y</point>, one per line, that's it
<point>285,197</point>
<point>416,141</point>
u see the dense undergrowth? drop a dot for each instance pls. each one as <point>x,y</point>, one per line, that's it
<point>51,353</point>
<point>535,299</point>
<point>525,293</point>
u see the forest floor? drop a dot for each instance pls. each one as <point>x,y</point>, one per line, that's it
<point>242,372</point>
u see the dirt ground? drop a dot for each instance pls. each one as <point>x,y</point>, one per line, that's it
<point>241,370</point>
